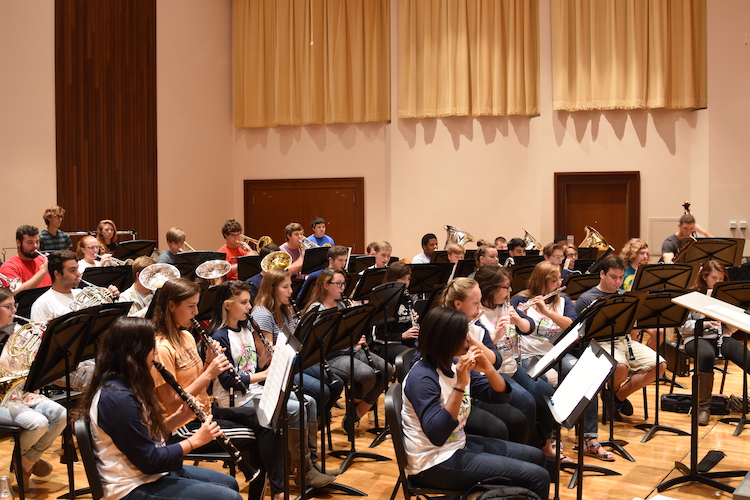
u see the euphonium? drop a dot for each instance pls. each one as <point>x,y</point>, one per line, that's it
<point>213,270</point>
<point>594,239</point>
<point>531,242</point>
<point>455,235</point>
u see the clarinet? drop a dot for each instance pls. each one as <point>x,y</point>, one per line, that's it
<point>630,347</point>
<point>719,342</point>
<point>263,339</point>
<point>250,472</point>
<point>323,361</point>
<point>412,312</point>
<point>210,345</point>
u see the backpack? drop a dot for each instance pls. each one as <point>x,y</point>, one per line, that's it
<point>498,488</point>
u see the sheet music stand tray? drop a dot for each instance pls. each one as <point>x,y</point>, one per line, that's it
<point>103,316</point>
<point>133,249</point>
<point>520,276</point>
<point>614,318</point>
<point>369,280</point>
<point>426,277</point>
<point>658,311</point>
<point>728,251</point>
<point>658,277</point>
<point>248,266</point>
<point>576,284</point>
<point>726,313</point>
<point>207,302</point>
<point>314,260</point>
<point>737,294</point>
<point>60,351</point>
<point>120,276</point>
<point>464,268</point>
<point>26,298</point>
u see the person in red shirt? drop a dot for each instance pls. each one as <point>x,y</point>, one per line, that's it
<point>234,246</point>
<point>28,265</point>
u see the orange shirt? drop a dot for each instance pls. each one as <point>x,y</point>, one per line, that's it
<point>232,254</point>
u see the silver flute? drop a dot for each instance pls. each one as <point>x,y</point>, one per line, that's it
<point>525,306</point>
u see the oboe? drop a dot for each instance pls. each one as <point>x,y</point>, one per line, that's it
<point>210,345</point>
<point>523,307</point>
<point>250,472</point>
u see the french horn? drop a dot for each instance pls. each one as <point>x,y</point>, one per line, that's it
<point>91,296</point>
<point>594,239</point>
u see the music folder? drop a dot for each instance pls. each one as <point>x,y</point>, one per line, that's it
<point>581,385</point>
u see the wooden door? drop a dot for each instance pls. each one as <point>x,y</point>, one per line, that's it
<point>608,201</point>
<point>272,204</point>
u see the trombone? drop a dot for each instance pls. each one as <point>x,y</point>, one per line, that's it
<point>259,243</point>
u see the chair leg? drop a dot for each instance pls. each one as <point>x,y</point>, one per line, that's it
<point>19,464</point>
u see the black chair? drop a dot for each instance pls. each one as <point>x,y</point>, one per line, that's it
<point>393,402</point>
<point>16,431</point>
<point>82,430</point>
<point>403,364</point>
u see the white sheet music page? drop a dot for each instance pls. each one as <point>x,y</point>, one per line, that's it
<point>547,360</point>
<point>276,381</point>
<point>583,381</point>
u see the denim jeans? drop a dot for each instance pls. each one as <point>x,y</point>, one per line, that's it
<point>42,424</point>
<point>538,389</point>
<point>189,483</point>
<point>483,458</point>
<point>332,387</point>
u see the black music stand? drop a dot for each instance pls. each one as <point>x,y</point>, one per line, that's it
<point>698,302</point>
<point>354,322</point>
<point>361,262</point>
<point>527,260</point>
<point>581,265</point>
<point>103,315</point>
<point>440,257</point>
<point>741,273</point>
<point>186,262</point>
<point>248,266</point>
<point>206,303</point>
<point>369,280</point>
<point>576,284</point>
<point>520,276</point>
<point>658,311</point>
<point>307,286</point>
<point>315,259</point>
<point>26,298</point>
<point>659,277</point>
<point>728,251</point>
<point>120,276</point>
<point>61,349</point>
<point>594,267</point>
<point>133,249</point>
<point>387,297</point>
<point>426,277</point>
<point>587,253</point>
<point>737,294</point>
<point>613,319</point>
<point>433,300</point>
<point>464,267</point>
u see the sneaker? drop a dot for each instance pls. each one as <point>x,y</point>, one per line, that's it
<point>41,468</point>
<point>625,407</point>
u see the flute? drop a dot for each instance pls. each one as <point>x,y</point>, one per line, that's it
<point>250,472</point>
<point>524,307</point>
<point>210,345</point>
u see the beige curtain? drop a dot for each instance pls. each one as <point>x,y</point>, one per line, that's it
<point>468,57</point>
<point>298,62</point>
<point>626,54</point>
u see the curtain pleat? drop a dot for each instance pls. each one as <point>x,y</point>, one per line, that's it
<point>468,57</point>
<point>298,62</point>
<point>627,54</point>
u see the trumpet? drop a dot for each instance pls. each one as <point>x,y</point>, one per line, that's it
<point>259,243</point>
<point>308,243</point>
<point>12,284</point>
<point>526,305</point>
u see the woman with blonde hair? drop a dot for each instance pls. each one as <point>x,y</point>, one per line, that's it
<point>106,235</point>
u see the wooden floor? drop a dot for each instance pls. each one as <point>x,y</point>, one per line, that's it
<point>654,460</point>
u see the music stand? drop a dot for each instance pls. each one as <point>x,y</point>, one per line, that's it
<point>433,300</point>
<point>726,313</point>
<point>728,251</point>
<point>62,345</point>
<point>133,249</point>
<point>737,294</point>
<point>440,257</point>
<point>425,277</point>
<point>186,262</point>
<point>314,260</point>
<point>520,276</point>
<point>576,284</point>
<point>369,280</point>
<point>361,262</point>
<point>464,268</point>
<point>587,253</point>
<point>26,298</point>
<point>527,260</point>
<point>659,277</point>
<point>206,303</point>
<point>120,276</point>
<point>581,265</point>
<point>741,273</point>
<point>305,290</point>
<point>613,319</point>
<point>248,266</point>
<point>658,311</point>
<point>103,315</point>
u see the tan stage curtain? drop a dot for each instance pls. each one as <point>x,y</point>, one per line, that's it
<point>468,57</point>
<point>626,54</point>
<point>298,62</point>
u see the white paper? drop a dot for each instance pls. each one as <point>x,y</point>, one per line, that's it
<point>584,380</point>
<point>276,381</point>
<point>739,319</point>
<point>547,360</point>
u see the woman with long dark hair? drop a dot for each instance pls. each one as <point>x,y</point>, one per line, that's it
<point>130,431</point>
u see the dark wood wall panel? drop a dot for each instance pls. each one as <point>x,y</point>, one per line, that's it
<point>105,84</point>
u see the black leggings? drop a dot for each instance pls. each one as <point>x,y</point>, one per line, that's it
<point>732,349</point>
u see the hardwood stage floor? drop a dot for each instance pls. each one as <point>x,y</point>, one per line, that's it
<point>654,460</point>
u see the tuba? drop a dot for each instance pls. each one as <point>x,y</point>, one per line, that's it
<point>455,235</point>
<point>155,275</point>
<point>530,242</point>
<point>213,270</point>
<point>594,239</point>
<point>281,260</point>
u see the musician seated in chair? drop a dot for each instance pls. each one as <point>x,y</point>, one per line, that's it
<point>555,253</point>
<point>106,235</point>
<point>255,280</point>
<point>517,247</point>
<point>485,255</point>
<point>234,246</point>
<point>319,236</point>
<point>175,241</point>
<point>338,256</point>
<point>138,294</point>
<point>402,333</point>
<point>28,266</point>
<point>294,247</point>
<point>501,243</point>
<point>87,252</point>
<point>685,228</point>
<point>455,252</point>
<point>631,356</point>
<point>42,419</point>
<point>429,245</point>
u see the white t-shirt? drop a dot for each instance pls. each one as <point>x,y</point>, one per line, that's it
<point>52,304</point>
<point>507,343</point>
<point>422,258</point>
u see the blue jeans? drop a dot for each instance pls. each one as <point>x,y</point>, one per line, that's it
<point>332,387</point>
<point>42,423</point>
<point>189,483</point>
<point>538,389</point>
<point>483,458</point>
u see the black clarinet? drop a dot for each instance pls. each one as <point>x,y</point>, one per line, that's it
<point>263,339</point>
<point>323,361</point>
<point>250,472</point>
<point>365,348</point>
<point>210,345</point>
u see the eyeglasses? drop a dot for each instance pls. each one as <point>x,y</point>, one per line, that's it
<point>11,307</point>
<point>59,217</point>
<point>341,284</point>
<point>507,287</point>
<point>95,247</point>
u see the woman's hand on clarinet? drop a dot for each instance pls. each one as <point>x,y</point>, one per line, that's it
<point>217,366</point>
<point>411,333</point>
<point>207,432</point>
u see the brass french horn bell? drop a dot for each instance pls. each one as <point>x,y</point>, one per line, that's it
<point>594,239</point>
<point>281,260</point>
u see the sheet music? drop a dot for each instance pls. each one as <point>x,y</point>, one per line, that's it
<point>739,319</point>
<point>549,359</point>
<point>276,381</point>
<point>583,381</point>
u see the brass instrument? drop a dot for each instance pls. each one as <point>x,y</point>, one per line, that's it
<point>155,275</point>
<point>8,384</point>
<point>91,296</point>
<point>12,284</point>
<point>110,261</point>
<point>526,305</point>
<point>455,235</point>
<point>210,345</point>
<point>259,243</point>
<point>213,271</point>
<point>187,246</point>
<point>250,472</point>
<point>594,239</point>
<point>509,262</point>
<point>531,242</point>
<point>25,341</point>
<point>308,243</point>
<point>280,260</point>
